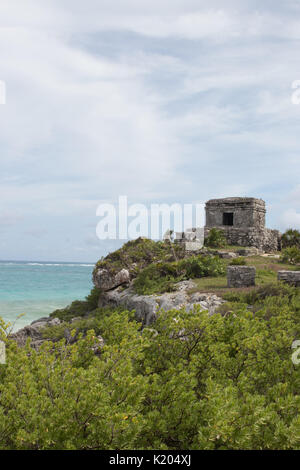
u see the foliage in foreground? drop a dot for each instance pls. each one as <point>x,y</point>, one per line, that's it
<point>216,238</point>
<point>78,325</point>
<point>290,255</point>
<point>290,238</point>
<point>163,277</point>
<point>190,382</point>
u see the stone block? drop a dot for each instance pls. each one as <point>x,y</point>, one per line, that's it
<point>241,276</point>
<point>290,277</point>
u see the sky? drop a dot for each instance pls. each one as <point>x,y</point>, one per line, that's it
<point>163,101</point>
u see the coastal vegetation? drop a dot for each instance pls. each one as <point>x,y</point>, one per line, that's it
<point>290,238</point>
<point>196,382</point>
<point>163,276</point>
<point>137,254</point>
<point>216,238</point>
<point>100,379</point>
<point>290,255</point>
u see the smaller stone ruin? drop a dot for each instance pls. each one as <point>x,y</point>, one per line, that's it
<point>192,239</point>
<point>241,276</point>
<point>290,277</point>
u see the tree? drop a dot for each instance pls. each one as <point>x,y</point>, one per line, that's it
<point>290,238</point>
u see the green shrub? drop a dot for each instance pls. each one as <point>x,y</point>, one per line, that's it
<point>259,294</point>
<point>239,261</point>
<point>203,266</point>
<point>215,239</point>
<point>80,325</point>
<point>162,277</point>
<point>290,238</point>
<point>290,255</point>
<point>93,298</point>
<point>137,254</point>
<point>197,382</point>
<point>157,278</point>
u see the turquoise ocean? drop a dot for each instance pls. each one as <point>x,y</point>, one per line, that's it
<point>37,288</point>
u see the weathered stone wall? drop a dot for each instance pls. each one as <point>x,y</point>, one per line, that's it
<point>247,212</point>
<point>291,277</point>
<point>241,276</point>
<point>248,227</point>
<point>266,240</point>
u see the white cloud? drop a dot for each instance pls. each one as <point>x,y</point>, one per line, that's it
<point>170,100</point>
<point>86,112</point>
<point>291,218</point>
<point>192,19</point>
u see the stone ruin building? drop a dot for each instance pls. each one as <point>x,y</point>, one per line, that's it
<point>243,222</point>
<point>241,218</point>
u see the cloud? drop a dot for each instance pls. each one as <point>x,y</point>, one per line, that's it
<point>291,218</point>
<point>74,115</point>
<point>161,101</point>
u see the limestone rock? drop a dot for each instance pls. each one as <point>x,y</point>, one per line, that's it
<point>39,320</point>
<point>34,331</point>
<point>147,306</point>
<point>74,319</point>
<point>105,280</point>
<point>227,254</point>
<point>98,346</point>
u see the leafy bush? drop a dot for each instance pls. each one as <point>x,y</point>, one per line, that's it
<point>203,266</point>
<point>215,239</point>
<point>290,238</point>
<point>239,261</point>
<point>290,255</point>
<point>93,298</point>
<point>137,254</point>
<point>64,397</point>
<point>79,325</point>
<point>198,382</point>
<point>162,277</point>
<point>261,293</point>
